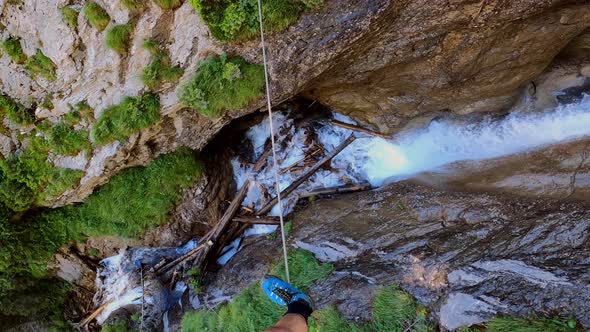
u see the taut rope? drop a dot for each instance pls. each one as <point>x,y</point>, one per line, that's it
<point>272,141</point>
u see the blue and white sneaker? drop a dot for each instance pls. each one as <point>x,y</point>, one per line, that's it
<point>283,293</point>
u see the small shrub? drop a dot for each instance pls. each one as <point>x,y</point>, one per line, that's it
<point>222,84</point>
<point>160,69</point>
<point>120,121</point>
<point>70,16</point>
<point>118,37</point>
<point>169,4</point>
<point>39,64</point>
<point>231,20</point>
<point>66,141</point>
<point>14,50</point>
<point>15,111</point>
<point>135,5</point>
<point>96,15</point>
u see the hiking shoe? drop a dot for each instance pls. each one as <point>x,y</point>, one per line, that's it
<point>283,293</point>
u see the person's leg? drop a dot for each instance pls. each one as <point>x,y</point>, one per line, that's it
<point>299,305</point>
<point>290,323</point>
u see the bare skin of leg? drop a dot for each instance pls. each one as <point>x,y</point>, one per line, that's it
<point>290,323</point>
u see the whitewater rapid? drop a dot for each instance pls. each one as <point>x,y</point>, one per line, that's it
<point>441,142</point>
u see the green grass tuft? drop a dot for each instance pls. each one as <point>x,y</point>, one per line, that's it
<point>222,84</point>
<point>513,324</point>
<point>96,15</point>
<point>169,4</point>
<point>160,69</point>
<point>231,20</point>
<point>39,64</point>
<point>134,5</point>
<point>14,50</point>
<point>119,122</point>
<point>16,112</point>
<point>395,310</point>
<point>70,16</point>
<point>119,37</point>
<point>66,141</point>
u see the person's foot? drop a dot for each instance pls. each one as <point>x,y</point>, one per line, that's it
<point>283,293</point>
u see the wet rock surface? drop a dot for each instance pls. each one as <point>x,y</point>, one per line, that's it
<point>467,256</point>
<point>560,172</point>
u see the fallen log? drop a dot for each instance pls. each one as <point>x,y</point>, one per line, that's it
<point>94,314</point>
<point>305,175</point>
<point>359,129</point>
<point>288,168</point>
<point>257,220</point>
<point>336,190</point>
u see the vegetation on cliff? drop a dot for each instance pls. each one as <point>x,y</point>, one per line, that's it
<point>96,15</point>
<point>119,37</point>
<point>120,121</point>
<point>40,65</point>
<point>222,84</point>
<point>64,140</point>
<point>70,16</point>
<point>169,4</point>
<point>238,20</point>
<point>133,201</point>
<point>14,50</point>
<point>15,111</point>
<point>160,70</point>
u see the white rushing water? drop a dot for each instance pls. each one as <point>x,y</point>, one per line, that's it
<point>377,160</point>
<point>118,279</point>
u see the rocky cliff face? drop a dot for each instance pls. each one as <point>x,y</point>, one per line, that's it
<point>468,257</point>
<point>382,62</point>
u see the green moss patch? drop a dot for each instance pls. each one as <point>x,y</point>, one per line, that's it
<point>119,122</point>
<point>16,112</point>
<point>231,20</point>
<point>41,65</point>
<point>70,16</point>
<point>96,15</point>
<point>169,4</point>
<point>118,37</point>
<point>160,70</point>
<point>222,84</point>
<point>14,50</point>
